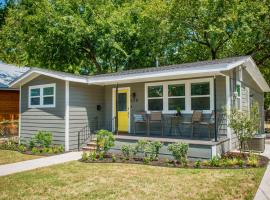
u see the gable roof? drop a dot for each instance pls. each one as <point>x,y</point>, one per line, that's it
<point>198,69</point>
<point>9,73</point>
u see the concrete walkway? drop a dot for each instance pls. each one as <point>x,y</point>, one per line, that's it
<point>263,192</point>
<point>37,163</point>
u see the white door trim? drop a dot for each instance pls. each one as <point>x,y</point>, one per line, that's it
<point>113,105</point>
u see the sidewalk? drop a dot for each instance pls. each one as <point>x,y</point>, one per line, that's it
<point>37,163</point>
<point>263,192</point>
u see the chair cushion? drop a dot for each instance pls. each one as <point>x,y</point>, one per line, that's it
<point>139,118</point>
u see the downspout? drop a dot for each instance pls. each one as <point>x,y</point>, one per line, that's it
<point>215,107</point>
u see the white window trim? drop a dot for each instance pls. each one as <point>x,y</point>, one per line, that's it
<point>41,95</point>
<point>187,94</point>
<point>239,97</point>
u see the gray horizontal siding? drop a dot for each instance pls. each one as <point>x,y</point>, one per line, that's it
<point>44,119</point>
<point>83,109</point>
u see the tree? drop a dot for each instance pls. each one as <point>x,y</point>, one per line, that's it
<point>244,124</point>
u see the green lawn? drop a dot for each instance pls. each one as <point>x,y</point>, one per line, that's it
<point>14,156</point>
<point>75,180</point>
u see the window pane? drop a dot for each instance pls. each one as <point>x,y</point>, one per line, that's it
<point>48,91</point>
<point>35,92</point>
<point>35,101</point>
<point>200,89</point>
<point>155,104</point>
<point>122,102</point>
<point>238,90</point>
<point>155,91</point>
<point>200,103</point>
<point>47,100</point>
<point>175,103</point>
<point>176,90</point>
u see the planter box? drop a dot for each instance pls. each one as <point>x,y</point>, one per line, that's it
<point>257,144</point>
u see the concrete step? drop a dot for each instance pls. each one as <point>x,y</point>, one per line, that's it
<point>87,148</point>
<point>92,144</point>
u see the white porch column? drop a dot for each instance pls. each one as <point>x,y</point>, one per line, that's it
<point>228,108</point>
<point>67,116</point>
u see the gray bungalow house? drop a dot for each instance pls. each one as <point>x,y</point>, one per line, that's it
<point>71,106</point>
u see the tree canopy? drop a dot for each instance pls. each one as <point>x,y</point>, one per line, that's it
<point>99,36</point>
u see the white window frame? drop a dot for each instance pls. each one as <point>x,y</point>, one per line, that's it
<point>41,96</point>
<point>240,96</point>
<point>175,97</point>
<point>187,97</point>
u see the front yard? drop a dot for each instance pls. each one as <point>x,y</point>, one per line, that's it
<point>76,180</point>
<point>7,156</point>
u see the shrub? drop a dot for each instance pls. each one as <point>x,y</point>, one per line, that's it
<point>101,155</point>
<point>151,149</point>
<point>61,149</point>
<point>55,149</point>
<point>105,140</point>
<point>127,150</point>
<point>197,164</point>
<point>253,160</point>
<point>146,160</point>
<point>240,162</point>
<point>85,156</point>
<point>41,139</point>
<point>215,162</point>
<point>113,158</point>
<point>179,152</point>
<point>45,150</point>
<point>50,150</point>
<point>22,148</point>
<point>93,156</point>
<point>244,124</point>
<point>141,145</point>
<point>35,150</point>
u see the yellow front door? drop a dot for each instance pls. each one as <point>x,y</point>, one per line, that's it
<point>122,108</point>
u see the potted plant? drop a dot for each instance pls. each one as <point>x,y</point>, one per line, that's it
<point>178,111</point>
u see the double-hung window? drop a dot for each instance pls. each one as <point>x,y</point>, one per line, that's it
<point>155,98</point>
<point>176,97</point>
<point>200,96</point>
<point>238,96</point>
<point>186,95</point>
<point>42,96</point>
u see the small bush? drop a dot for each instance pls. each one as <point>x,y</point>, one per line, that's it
<point>85,156</point>
<point>253,160</point>
<point>41,139</point>
<point>93,156</point>
<point>22,148</point>
<point>105,140</point>
<point>113,158</point>
<point>197,164</point>
<point>151,149</point>
<point>240,162</point>
<point>140,146</point>
<point>45,150</point>
<point>127,150</point>
<point>50,150</point>
<point>61,149</point>
<point>179,152</point>
<point>35,150</point>
<point>215,162</point>
<point>146,160</point>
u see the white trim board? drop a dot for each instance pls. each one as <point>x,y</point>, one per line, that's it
<point>67,116</point>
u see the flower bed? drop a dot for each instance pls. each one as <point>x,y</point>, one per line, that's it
<point>40,144</point>
<point>227,161</point>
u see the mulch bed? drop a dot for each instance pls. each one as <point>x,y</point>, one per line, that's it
<point>161,162</point>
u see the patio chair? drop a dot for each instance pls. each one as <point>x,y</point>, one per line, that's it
<point>210,123</point>
<point>155,118</point>
<point>195,119</point>
<point>140,118</point>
